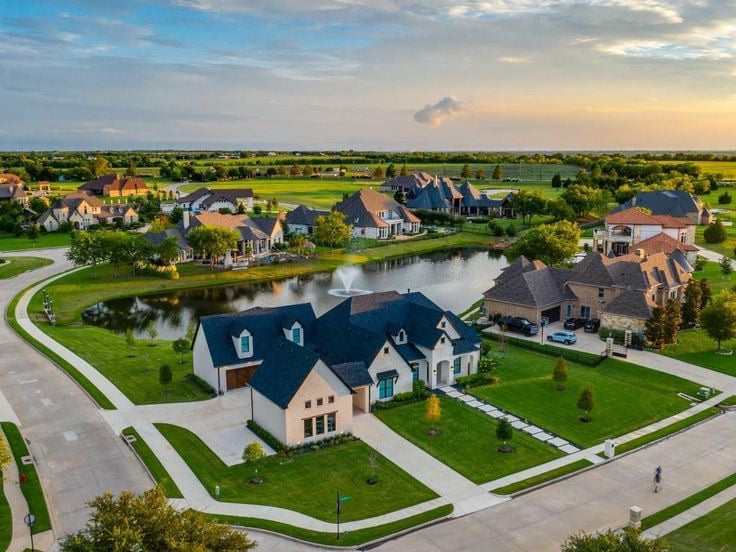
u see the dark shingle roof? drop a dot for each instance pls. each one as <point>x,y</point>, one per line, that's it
<point>354,374</point>
<point>304,215</point>
<point>630,303</point>
<point>676,203</point>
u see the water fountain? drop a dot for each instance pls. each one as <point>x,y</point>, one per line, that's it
<point>347,275</point>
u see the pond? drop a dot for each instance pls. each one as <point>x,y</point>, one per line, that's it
<point>452,279</point>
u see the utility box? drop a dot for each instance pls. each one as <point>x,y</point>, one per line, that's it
<point>609,347</point>
<point>635,517</point>
<point>609,448</point>
<point>704,392</point>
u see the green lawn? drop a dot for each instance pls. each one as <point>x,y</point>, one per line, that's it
<point>307,483</point>
<point>542,478</point>
<point>31,489</point>
<point>467,441</point>
<point>8,242</point>
<point>134,371</point>
<point>723,248</point>
<point>715,532</point>
<point>694,346</point>
<point>725,168</point>
<point>716,280</point>
<point>157,470</point>
<point>6,521</point>
<point>627,396</point>
<point>17,265</point>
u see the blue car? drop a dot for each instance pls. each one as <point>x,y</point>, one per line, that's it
<point>568,338</point>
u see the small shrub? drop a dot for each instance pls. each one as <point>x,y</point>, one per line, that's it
<point>265,436</point>
<point>511,230</point>
<point>479,378</point>
<point>724,199</point>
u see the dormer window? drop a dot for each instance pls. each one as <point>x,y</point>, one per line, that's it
<point>443,324</point>
<point>402,336</point>
<point>296,335</point>
<point>245,344</point>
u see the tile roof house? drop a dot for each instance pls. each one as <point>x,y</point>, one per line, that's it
<point>374,215</point>
<point>302,220</point>
<point>81,211</point>
<point>207,199</point>
<point>675,203</point>
<point>114,186</point>
<point>621,291</point>
<point>306,374</point>
<point>13,192</point>
<point>626,229</point>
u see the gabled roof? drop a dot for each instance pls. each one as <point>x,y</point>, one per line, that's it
<point>114,182</point>
<point>156,238</point>
<point>631,303</point>
<point>354,374</point>
<point>472,197</point>
<point>662,243</point>
<point>361,209</point>
<point>304,216</point>
<point>231,195</point>
<point>194,196</point>
<point>267,225</point>
<point>12,191</point>
<point>430,197</point>
<point>538,287</point>
<point>676,203</point>
<point>631,216</point>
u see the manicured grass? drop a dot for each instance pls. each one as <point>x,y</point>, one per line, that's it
<point>725,247</point>
<point>94,393</point>
<point>31,489</point>
<point>76,291</point>
<point>134,371</point>
<point>689,502</point>
<point>348,538</point>
<point>715,532</point>
<point>17,265</point>
<point>665,431</point>
<point>727,169</point>
<point>8,242</point>
<point>157,470</point>
<point>717,282</point>
<point>306,483</point>
<point>694,346</point>
<point>542,478</point>
<point>6,521</point>
<point>467,440</point>
<point>627,396</point>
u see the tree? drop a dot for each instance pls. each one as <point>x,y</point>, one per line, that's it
<point>212,241</point>
<point>528,204</point>
<point>480,174</point>
<point>191,330</point>
<point>181,347</point>
<point>33,232</point>
<point>557,181</point>
<point>253,453</point>
<point>129,339</point>
<point>705,293</point>
<point>149,522</point>
<point>390,171</point>
<point>656,328</point>
<point>400,197</point>
<point>331,229</point>
<point>295,170</point>
<point>584,199</point>
<point>559,374</point>
<point>257,209</point>
<point>718,319</point>
<point>152,332</point>
<point>726,267</point>
<point>165,376</point>
<point>378,172</point>
<point>560,210</point>
<point>724,199</point>
<point>715,232</point>
<point>551,243</point>
<point>87,249</point>
<point>586,402</point>
<point>404,170</point>
<point>168,250</point>
<point>373,463</point>
<point>433,413</point>
<point>497,172</point>
<point>692,304</point>
<point>101,166</point>
<point>466,171</point>
<point>176,215</point>
<point>132,169</point>
<point>627,540</point>
<point>673,320</point>
<point>504,433</point>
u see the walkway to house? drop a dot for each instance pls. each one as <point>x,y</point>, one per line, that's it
<point>546,436</point>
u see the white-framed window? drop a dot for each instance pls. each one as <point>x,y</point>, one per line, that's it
<point>245,344</point>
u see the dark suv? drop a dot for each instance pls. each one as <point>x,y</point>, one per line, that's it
<point>592,325</point>
<point>574,323</point>
<point>518,324</point>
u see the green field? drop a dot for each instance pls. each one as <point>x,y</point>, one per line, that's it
<point>305,483</point>
<point>724,248</point>
<point>18,265</point>
<point>716,280</point>
<point>727,169</point>
<point>714,532</point>
<point>157,470</point>
<point>8,242</point>
<point>467,441</point>
<point>527,391</point>
<point>695,347</point>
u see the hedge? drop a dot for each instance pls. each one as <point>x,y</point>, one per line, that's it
<point>588,359</point>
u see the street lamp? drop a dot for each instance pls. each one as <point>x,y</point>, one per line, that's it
<point>29,519</point>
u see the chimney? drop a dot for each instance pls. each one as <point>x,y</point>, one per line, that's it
<point>640,254</point>
<point>185,219</point>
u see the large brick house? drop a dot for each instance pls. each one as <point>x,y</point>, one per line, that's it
<point>375,215</point>
<point>620,291</point>
<point>112,185</point>
<point>674,203</point>
<point>81,211</point>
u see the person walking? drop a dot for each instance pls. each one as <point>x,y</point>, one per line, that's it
<point>657,479</point>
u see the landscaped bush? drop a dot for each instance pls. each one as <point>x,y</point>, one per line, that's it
<point>438,218</point>
<point>418,393</point>
<point>266,437</point>
<point>479,378</point>
<point>165,271</point>
<point>203,385</point>
<point>588,359</point>
<point>715,232</point>
<point>724,198</point>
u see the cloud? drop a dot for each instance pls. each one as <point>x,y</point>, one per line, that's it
<point>435,115</point>
<point>514,60</point>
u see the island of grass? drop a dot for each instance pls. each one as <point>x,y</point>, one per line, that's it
<point>152,463</point>
<point>694,346</point>
<point>18,265</point>
<point>714,532</point>
<point>10,242</point>
<point>467,440</point>
<point>305,483</point>
<point>627,396</point>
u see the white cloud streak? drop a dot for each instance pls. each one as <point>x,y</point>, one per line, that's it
<point>435,114</point>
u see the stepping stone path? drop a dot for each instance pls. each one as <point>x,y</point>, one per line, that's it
<point>522,425</point>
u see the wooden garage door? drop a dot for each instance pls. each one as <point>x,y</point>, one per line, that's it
<point>238,377</point>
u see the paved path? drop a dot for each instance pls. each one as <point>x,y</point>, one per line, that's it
<point>77,455</point>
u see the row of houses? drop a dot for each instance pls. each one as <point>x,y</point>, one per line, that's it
<point>306,374</point>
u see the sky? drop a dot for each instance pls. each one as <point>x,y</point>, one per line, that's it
<point>491,75</point>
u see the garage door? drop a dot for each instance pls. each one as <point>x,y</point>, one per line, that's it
<point>553,314</point>
<point>238,377</point>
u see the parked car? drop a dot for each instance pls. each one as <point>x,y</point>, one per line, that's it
<point>568,338</point>
<point>518,324</point>
<point>574,323</point>
<point>592,325</point>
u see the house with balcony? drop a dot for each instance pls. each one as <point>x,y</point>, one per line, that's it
<point>673,203</point>
<point>306,375</point>
<point>377,216</point>
<point>625,229</point>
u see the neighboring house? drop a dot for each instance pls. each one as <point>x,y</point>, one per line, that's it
<point>207,199</point>
<point>302,220</point>
<point>407,183</point>
<point>113,185</point>
<point>625,229</point>
<point>374,215</point>
<point>620,291</point>
<point>82,211</point>
<point>675,203</point>
<point>186,253</point>
<point>307,374</point>
<point>14,192</point>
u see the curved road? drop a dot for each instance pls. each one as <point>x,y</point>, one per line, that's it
<point>77,455</point>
